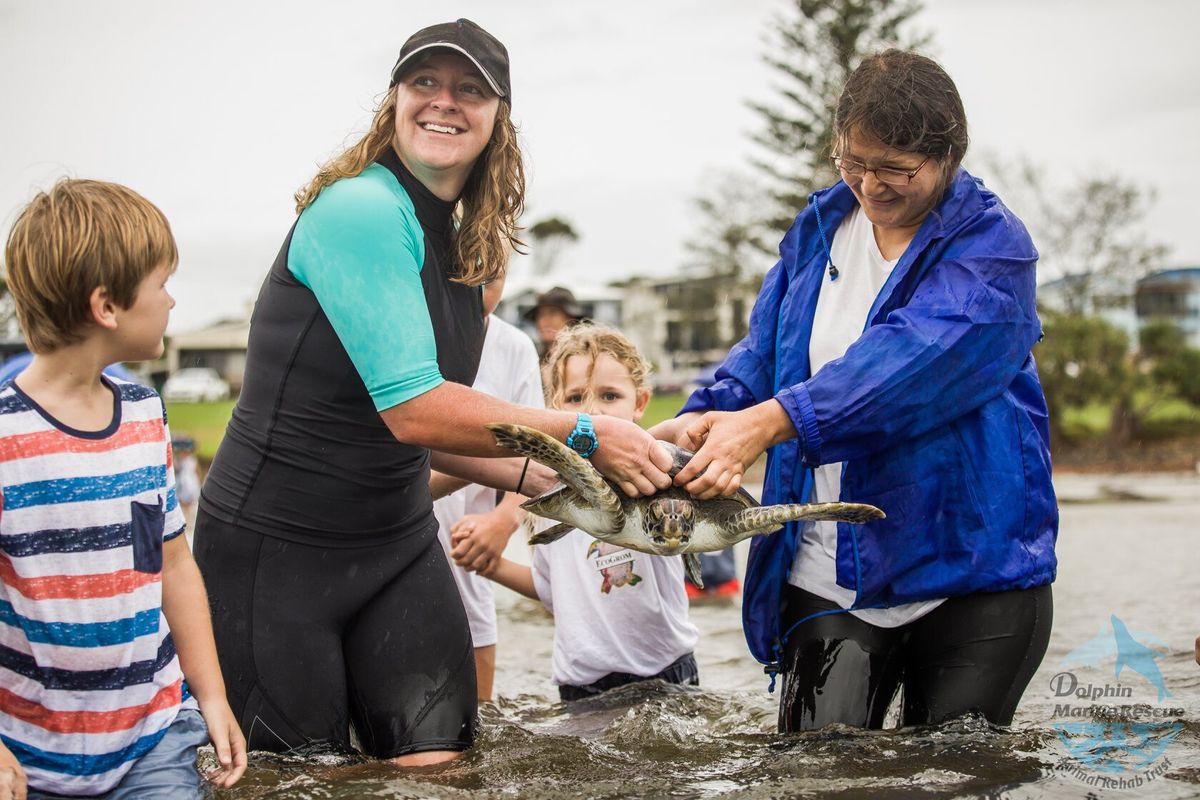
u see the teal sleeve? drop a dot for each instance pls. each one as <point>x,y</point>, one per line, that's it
<point>360,249</point>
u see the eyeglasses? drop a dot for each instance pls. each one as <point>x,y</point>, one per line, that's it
<point>888,175</point>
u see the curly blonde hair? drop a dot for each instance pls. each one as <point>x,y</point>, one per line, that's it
<point>488,208</point>
<point>591,340</point>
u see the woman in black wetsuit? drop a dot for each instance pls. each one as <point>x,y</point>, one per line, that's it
<point>332,601</point>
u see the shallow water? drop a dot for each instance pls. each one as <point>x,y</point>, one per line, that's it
<point>1135,559</point>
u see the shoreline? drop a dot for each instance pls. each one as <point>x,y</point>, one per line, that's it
<point>1181,455</point>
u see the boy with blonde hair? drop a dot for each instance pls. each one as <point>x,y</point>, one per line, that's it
<point>103,614</point>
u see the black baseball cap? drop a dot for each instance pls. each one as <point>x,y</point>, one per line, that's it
<point>483,50</point>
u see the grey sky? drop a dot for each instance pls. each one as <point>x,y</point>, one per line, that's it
<point>217,111</point>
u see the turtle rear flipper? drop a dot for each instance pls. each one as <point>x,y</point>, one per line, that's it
<point>574,470</point>
<point>691,565</point>
<point>751,521</point>
<point>552,534</point>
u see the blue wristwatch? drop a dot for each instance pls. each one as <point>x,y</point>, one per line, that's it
<point>583,439</point>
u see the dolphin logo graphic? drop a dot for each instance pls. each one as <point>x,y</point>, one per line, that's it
<point>1137,657</point>
<point>1092,652</point>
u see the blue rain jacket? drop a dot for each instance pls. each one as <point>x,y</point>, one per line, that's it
<point>936,411</point>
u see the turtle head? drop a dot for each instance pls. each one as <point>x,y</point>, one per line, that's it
<point>668,522</point>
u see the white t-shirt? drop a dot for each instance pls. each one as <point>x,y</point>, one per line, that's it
<point>508,369</point>
<point>615,610</point>
<point>841,316</point>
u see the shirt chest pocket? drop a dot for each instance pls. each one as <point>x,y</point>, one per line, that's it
<point>146,523</point>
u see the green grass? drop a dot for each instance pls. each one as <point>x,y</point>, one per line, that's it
<point>1087,421</point>
<point>1167,419</point>
<point>662,406</point>
<point>204,422</point>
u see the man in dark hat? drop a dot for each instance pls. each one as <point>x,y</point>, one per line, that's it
<point>552,311</point>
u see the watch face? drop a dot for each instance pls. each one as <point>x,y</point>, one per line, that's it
<point>582,442</point>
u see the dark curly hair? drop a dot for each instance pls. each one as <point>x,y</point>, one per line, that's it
<point>908,102</point>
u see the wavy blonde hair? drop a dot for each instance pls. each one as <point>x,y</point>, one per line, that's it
<point>591,340</point>
<point>488,208</point>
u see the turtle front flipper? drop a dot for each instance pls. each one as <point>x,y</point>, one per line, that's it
<point>691,566</point>
<point>763,519</point>
<point>574,470</point>
<point>551,534</point>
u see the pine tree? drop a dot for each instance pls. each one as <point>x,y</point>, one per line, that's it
<point>550,237</point>
<point>813,48</point>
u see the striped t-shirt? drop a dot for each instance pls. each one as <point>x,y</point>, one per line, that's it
<point>89,679</point>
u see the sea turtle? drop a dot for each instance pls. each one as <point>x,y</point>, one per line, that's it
<point>670,522</point>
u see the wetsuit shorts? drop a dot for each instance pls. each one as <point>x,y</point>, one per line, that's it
<point>971,654</point>
<point>386,647</point>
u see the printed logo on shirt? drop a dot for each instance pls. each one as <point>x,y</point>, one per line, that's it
<point>615,565</point>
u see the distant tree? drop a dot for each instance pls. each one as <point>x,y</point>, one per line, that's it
<point>1163,367</point>
<point>550,238</point>
<point>726,258</point>
<point>1084,359</point>
<point>728,239</point>
<point>1080,360</point>
<point>1174,367</point>
<point>1091,232</point>
<point>813,47</point>
<point>1181,371</point>
<point>1161,338</point>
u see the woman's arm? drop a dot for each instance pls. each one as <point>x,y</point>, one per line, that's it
<point>451,418</point>
<point>958,343</point>
<point>361,253</point>
<point>442,485</point>
<point>498,473</point>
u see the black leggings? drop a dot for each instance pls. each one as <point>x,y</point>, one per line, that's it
<point>314,639</point>
<point>975,653</point>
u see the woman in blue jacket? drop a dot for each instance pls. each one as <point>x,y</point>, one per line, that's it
<point>889,362</point>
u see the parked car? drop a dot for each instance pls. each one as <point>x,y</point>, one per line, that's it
<point>195,385</point>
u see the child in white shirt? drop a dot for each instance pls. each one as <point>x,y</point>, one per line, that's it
<point>620,616</point>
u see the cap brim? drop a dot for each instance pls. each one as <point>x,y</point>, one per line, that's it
<point>448,46</point>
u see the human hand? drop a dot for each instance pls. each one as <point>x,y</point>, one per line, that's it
<point>227,740</point>
<point>675,430</point>
<point>538,478</point>
<point>630,457</point>
<point>727,443</point>
<point>477,540</point>
<point>13,785</point>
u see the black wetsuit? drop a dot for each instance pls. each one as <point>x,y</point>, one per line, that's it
<point>332,601</point>
<point>971,654</point>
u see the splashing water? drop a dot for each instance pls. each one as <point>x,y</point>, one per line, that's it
<point>652,740</point>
